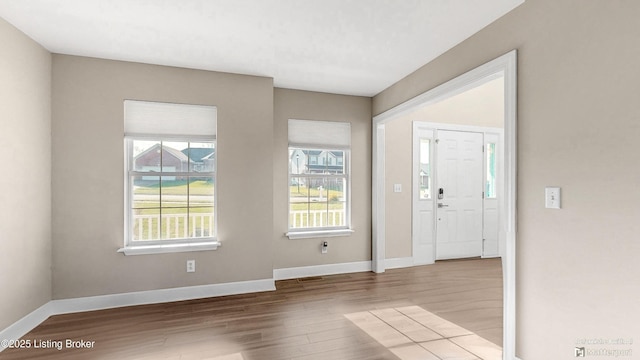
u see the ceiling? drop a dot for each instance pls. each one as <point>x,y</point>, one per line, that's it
<point>355,47</point>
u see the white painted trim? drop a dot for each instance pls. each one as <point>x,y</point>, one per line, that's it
<point>21,327</point>
<point>467,81</point>
<point>100,302</point>
<point>320,270</point>
<point>397,263</point>
<point>457,127</point>
<point>506,66</point>
<point>66,306</point>
<point>170,248</point>
<point>378,200</point>
<point>509,63</point>
<point>318,233</point>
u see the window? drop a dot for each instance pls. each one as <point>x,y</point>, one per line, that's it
<point>170,156</point>
<point>319,191</point>
<point>425,169</point>
<point>490,184</point>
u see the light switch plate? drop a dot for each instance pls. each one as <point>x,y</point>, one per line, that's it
<point>397,188</point>
<point>552,197</point>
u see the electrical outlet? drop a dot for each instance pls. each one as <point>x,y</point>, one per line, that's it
<point>325,246</point>
<point>191,266</point>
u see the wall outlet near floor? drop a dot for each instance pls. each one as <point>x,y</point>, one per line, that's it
<point>325,246</point>
<point>191,266</point>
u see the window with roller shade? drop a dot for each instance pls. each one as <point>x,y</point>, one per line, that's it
<point>170,173</point>
<point>319,179</point>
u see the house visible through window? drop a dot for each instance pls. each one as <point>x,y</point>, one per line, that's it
<point>171,172</point>
<point>319,183</point>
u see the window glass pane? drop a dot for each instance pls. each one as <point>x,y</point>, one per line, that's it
<point>201,156</point>
<point>201,222</point>
<point>298,203</point>
<point>173,223</point>
<point>336,162</point>
<point>145,193</point>
<point>201,207</point>
<point>336,214</point>
<point>201,191</point>
<point>424,170</point>
<point>174,191</point>
<point>490,187</point>
<point>145,224</point>
<point>146,156</point>
<point>319,204</point>
<point>298,161</point>
<point>174,156</point>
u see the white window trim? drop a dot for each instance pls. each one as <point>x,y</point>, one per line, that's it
<point>170,248</point>
<point>164,246</point>
<point>293,235</point>
<point>305,233</point>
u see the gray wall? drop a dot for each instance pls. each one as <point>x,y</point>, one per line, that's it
<point>305,105</point>
<point>25,184</point>
<point>578,127</point>
<point>88,176</point>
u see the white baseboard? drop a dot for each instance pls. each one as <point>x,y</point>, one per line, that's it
<point>18,329</point>
<point>397,263</point>
<point>159,296</point>
<point>320,270</point>
<point>65,306</point>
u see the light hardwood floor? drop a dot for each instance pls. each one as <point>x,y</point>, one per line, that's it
<point>310,318</point>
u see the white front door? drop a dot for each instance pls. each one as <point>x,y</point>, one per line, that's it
<point>458,194</point>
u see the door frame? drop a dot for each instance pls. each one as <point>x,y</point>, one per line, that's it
<point>435,128</point>
<point>504,66</point>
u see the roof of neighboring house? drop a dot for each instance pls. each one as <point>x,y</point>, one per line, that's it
<point>176,153</point>
<point>198,154</point>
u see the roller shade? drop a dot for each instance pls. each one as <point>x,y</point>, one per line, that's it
<point>322,134</point>
<point>145,117</point>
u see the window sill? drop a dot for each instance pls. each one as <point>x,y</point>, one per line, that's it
<point>169,248</point>
<point>318,233</point>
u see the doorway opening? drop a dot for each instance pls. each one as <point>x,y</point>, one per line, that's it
<point>503,68</point>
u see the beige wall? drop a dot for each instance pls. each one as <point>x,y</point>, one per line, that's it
<point>479,106</point>
<point>578,127</point>
<point>25,183</point>
<point>88,183</point>
<point>304,105</point>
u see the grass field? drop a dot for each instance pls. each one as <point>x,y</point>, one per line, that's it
<point>176,187</point>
